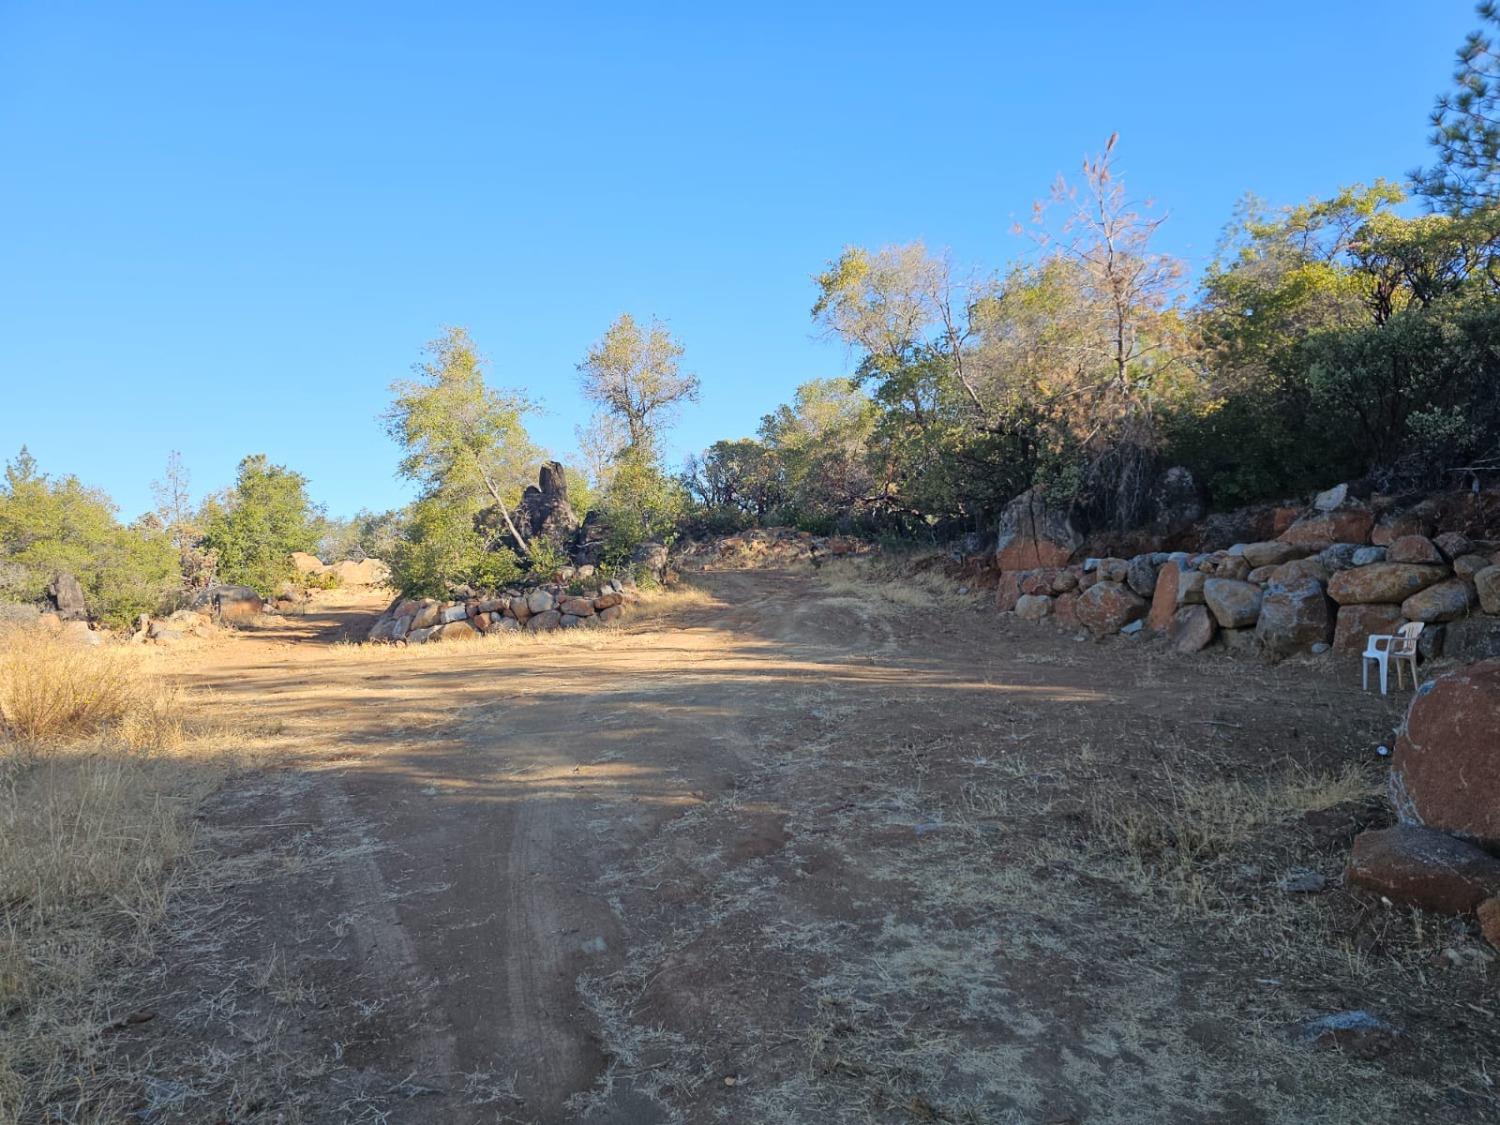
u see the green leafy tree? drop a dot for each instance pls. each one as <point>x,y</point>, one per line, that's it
<point>265,517</point>
<point>635,376</point>
<point>467,448</point>
<point>643,504</point>
<point>58,525</point>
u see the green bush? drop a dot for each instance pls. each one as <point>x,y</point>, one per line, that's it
<point>48,526</point>
<point>264,518</point>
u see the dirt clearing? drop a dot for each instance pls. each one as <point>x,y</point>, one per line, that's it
<point>794,853</point>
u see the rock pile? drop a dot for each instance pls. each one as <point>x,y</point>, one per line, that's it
<point>366,572</point>
<point>539,609</point>
<point>1329,580</point>
<point>1445,785</point>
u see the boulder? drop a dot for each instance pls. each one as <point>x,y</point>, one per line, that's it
<point>1235,604</point>
<point>544,622</point>
<point>1222,564</point>
<point>1446,601</point>
<point>1064,580</point>
<point>1414,549</point>
<point>577,606</point>
<point>453,613</point>
<point>1453,545</point>
<point>1397,524</point>
<point>1176,503</point>
<point>1034,533</point>
<point>540,601</point>
<point>65,594</point>
<point>1299,570</point>
<point>1445,772</point>
<point>610,613</point>
<point>1357,623</point>
<point>428,614</point>
<point>1111,570</point>
<point>1294,617</point>
<point>1382,582</point>
<point>455,631</point>
<point>1164,599</point>
<point>500,624</point>
<point>651,557</point>
<point>229,603</point>
<point>1367,555</point>
<point>1193,628</point>
<point>1473,638</point>
<point>1140,575</point>
<point>1065,608</point>
<point>1271,553</point>
<point>1262,574</point>
<point>306,563</point>
<point>1317,530</point>
<point>1007,590</point>
<point>519,608</point>
<point>1109,606</point>
<point>1033,607</point>
<point>605,600</point>
<point>1416,866</point>
<point>1468,566</point>
<point>1488,913</point>
<point>1332,498</point>
<point>1487,587</point>
<point>420,636</point>
<point>545,513</point>
<point>570,621</point>
<point>1340,556</point>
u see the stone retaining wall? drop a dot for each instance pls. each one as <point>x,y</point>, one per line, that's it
<point>1311,590</point>
<point>537,610</point>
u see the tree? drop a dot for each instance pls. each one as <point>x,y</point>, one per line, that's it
<point>465,443</point>
<point>736,482</point>
<point>50,525</point>
<point>174,502</point>
<point>1466,128</point>
<point>821,445</point>
<point>265,518</point>
<point>635,376</point>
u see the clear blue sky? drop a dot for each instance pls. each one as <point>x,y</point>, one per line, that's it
<point>228,227</point>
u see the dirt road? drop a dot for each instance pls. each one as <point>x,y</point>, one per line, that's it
<point>804,853</point>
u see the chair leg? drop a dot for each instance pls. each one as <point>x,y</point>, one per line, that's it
<point>1400,675</point>
<point>1385,667</point>
<point>1364,674</point>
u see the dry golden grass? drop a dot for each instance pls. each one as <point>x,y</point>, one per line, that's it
<point>895,579</point>
<point>100,768</point>
<point>53,690</point>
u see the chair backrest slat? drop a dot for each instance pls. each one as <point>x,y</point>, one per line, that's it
<point>1409,634</point>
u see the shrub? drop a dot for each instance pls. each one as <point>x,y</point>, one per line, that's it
<point>266,517</point>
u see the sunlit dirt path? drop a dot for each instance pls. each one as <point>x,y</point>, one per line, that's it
<point>796,853</point>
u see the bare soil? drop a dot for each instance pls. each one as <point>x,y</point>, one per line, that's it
<point>808,853</point>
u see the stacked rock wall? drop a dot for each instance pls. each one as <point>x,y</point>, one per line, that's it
<point>1332,577</point>
<point>540,609</point>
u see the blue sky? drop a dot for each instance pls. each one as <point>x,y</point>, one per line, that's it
<point>228,227</point>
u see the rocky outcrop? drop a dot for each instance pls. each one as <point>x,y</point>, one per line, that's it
<point>1035,533</point>
<point>66,596</point>
<point>229,603</point>
<point>1235,604</point>
<point>1446,769</point>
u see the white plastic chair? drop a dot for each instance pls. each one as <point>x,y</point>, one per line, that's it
<point>1384,648</point>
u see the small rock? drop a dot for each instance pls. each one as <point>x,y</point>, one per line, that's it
<point>1302,882</point>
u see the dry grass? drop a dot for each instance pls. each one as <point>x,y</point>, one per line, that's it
<point>53,691</point>
<point>898,580</point>
<point>100,768</point>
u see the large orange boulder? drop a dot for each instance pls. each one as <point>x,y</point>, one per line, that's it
<point>1357,623</point>
<point>1318,530</point>
<point>1446,769</point>
<point>1382,582</point>
<point>1107,607</point>
<point>1034,533</point>
<point>1294,617</point>
<point>1414,866</point>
